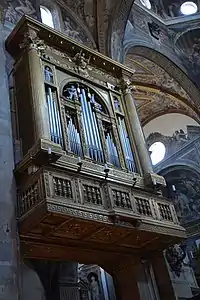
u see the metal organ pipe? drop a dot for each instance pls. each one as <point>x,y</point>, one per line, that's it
<point>57,122</point>
<point>123,138</point>
<point>101,156</point>
<point>54,133</point>
<point>71,135</point>
<point>74,137</point>
<point>85,124</point>
<point>91,126</point>
<point>126,145</point>
<point>50,116</point>
<point>132,164</point>
<point>95,132</point>
<point>112,150</point>
<point>79,145</point>
<point>54,117</point>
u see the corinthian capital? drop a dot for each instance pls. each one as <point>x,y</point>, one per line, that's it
<point>31,41</point>
<point>127,86</point>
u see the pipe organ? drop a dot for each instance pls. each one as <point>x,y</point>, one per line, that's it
<point>86,188</point>
<point>94,115</point>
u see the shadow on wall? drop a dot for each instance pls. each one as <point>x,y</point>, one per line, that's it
<point>32,288</point>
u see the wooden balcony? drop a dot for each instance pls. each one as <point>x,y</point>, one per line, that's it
<point>61,208</point>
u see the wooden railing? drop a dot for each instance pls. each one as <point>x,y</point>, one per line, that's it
<point>98,195</point>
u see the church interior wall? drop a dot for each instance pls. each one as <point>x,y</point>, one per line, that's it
<point>76,29</point>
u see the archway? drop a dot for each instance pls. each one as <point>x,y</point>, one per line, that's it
<point>149,55</point>
<point>160,86</point>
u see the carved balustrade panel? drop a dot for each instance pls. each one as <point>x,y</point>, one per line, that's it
<point>143,207</point>
<point>90,195</point>
<point>31,194</point>
<point>121,199</point>
<point>62,187</point>
<point>165,212</point>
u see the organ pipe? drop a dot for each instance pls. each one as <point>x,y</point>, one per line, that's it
<point>54,117</point>
<point>91,128</point>
<point>112,150</point>
<point>126,145</point>
<point>97,135</point>
<point>74,136</point>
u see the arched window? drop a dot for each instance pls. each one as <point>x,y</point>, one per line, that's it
<point>157,150</point>
<point>46,16</point>
<point>88,126</point>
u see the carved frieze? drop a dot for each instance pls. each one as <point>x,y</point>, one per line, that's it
<point>77,213</point>
<point>80,65</point>
<point>160,78</point>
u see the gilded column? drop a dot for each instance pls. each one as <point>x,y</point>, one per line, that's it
<point>136,129</point>
<point>34,47</point>
<point>139,140</point>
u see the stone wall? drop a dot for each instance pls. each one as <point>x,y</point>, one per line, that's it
<point>9,243</point>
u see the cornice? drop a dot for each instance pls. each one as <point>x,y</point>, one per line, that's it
<point>63,43</point>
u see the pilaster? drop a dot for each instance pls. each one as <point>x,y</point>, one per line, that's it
<point>33,48</point>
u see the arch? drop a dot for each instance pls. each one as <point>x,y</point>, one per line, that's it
<point>32,287</point>
<point>71,88</point>
<point>173,166</point>
<point>117,29</point>
<point>72,15</point>
<point>84,109</point>
<point>167,65</point>
<point>166,124</point>
<point>163,113</point>
<point>170,111</point>
<point>186,31</point>
<point>89,85</point>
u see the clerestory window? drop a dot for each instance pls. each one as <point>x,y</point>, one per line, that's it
<point>46,16</point>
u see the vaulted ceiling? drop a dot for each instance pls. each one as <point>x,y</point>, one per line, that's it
<point>156,92</point>
<point>126,31</point>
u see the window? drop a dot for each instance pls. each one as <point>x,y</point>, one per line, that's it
<point>188,8</point>
<point>46,16</point>
<point>157,150</point>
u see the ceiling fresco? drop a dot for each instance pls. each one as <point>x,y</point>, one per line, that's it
<point>156,92</point>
